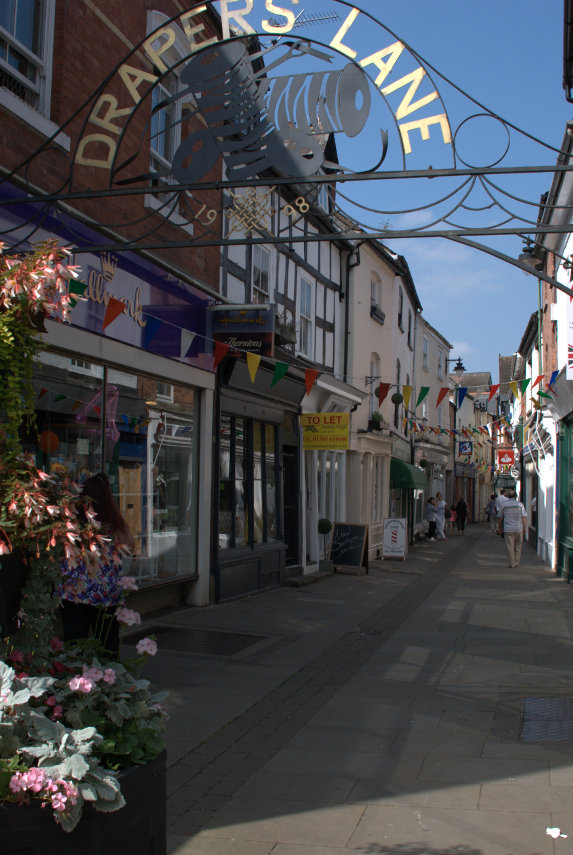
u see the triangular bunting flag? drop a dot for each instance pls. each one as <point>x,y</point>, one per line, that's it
<point>59,398</point>
<point>406,394</point>
<point>281,369</point>
<point>524,385</point>
<point>423,392</point>
<point>442,394</point>
<point>462,392</point>
<point>150,330</point>
<point>543,395</point>
<point>537,380</point>
<point>514,389</point>
<point>42,392</point>
<point>114,309</point>
<point>383,390</point>
<point>221,350</point>
<point>493,391</point>
<point>187,339</point>
<point>310,376</point>
<point>553,377</point>
<point>253,362</point>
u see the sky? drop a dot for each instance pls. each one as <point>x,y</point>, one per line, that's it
<point>508,55</point>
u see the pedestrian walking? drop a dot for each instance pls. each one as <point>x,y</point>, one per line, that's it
<point>461,515</point>
<point>440,517</point>
<point>450,519</point>
<point>500,502</point>
<point>431,517</point>
<point>491,514</point>
<point>512,521</point>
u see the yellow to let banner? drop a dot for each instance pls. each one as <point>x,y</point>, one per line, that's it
<point>325,431</point>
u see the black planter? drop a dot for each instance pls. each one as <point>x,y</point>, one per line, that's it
<point>139,828</point>
<point>13,574</point>
<point>374,424</point>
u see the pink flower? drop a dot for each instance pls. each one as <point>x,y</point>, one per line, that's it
<point>93,674</point>
<point>17,783</point>
<point>57,712</point>
<point>57,644</point>
<point>128,616</point>
<point>59,801</point>
<point>51,701</point>
<point>17,657</point>
<point>146,645</point>
<point>81,684</point>
<point>128,583</point>
<point>109,676</point>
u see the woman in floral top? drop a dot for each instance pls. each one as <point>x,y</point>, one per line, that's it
<point>91,590</point>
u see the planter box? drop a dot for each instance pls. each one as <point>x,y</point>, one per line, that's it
<point>374,424</point>
<point>139,828</point>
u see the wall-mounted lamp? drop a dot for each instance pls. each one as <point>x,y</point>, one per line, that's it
<point>458,368</point>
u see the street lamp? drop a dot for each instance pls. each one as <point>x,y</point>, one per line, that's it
<point>458,371</point>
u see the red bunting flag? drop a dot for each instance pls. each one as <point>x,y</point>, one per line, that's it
<point>114,309</point>
<point>42,392</point>
<point>310,376</point>
<point>537,380</point>
<point>383,390</point>
<point>442,394</point>
<point>221,350</point>
<point>492,391</point>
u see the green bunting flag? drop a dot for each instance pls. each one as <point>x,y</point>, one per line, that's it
<point>423,392</point>
<point>281,369</point>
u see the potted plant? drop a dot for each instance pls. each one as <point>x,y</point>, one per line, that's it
<point>76,731</point>
<point>324,528</point>
<point>423,463</point>
<point>375,420</point>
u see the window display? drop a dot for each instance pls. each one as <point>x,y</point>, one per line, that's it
<point>92,418</point>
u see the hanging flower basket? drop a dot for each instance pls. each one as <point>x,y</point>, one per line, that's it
<point>397,398</point>
<point>423,463</point>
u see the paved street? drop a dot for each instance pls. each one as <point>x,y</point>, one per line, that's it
<point>423,709</point>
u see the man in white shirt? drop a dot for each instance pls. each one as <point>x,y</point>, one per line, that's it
<point>512,522</point>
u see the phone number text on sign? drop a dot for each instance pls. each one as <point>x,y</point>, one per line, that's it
<point>325,431</point>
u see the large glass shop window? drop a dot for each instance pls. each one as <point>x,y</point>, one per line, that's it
<point>248,476</point>
<point>143,434</point>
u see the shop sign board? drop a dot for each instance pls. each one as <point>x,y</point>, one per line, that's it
<point>325,431</point>
<point>244,328</point>
<point>506,457</point>
<point>395,538</point>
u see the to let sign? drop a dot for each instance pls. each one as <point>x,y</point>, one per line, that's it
<point>325,431</point>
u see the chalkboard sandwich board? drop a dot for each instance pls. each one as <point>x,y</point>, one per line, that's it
<point>349,548</point>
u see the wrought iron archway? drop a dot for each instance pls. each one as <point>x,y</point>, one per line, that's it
<point>265,100</point>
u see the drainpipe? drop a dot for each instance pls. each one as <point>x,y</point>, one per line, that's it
<point>352,261</point>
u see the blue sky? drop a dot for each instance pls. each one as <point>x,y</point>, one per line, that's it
<point>508,55</point>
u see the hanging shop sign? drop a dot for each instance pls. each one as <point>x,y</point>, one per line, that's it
<point>244,328</point>
<point>325,431</point>
<point>505,457</point>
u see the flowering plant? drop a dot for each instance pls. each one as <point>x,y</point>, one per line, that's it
<point>70,719</point>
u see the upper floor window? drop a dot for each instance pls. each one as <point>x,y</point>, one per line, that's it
<point>409,328</point>
<point>401,310</point>
<point>425,353</point>
<point>323,198</point>
<point>261,277</point>
<point>305,317</point>
<point>439,416</point>
<point>397,406</point>
<point>26,34</point>
<point>441,362</point>
<point>376,299</point>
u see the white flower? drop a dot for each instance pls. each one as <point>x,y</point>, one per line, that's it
<point>146,645</point>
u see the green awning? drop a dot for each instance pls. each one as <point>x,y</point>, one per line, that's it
<point>406,476</point>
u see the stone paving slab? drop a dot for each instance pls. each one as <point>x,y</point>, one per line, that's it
<point>494,832</point>
<point>381,717</point>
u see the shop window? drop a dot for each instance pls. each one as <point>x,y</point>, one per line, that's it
<point>248,483</point>
<point>26,34</point>
<point>261,274</point>
<point>90,418</point>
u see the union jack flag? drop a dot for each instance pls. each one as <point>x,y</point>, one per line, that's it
<point>570,356</point>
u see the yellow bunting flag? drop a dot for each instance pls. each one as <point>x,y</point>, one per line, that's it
<point>514,388</point>
<point>406,394</point>
<point>253,362</point>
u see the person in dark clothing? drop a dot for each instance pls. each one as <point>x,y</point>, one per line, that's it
<point>461,515</point>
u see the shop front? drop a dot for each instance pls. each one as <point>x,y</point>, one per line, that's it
<point>408,485</point>
<point>257,501</point>
<point>132,396</point>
